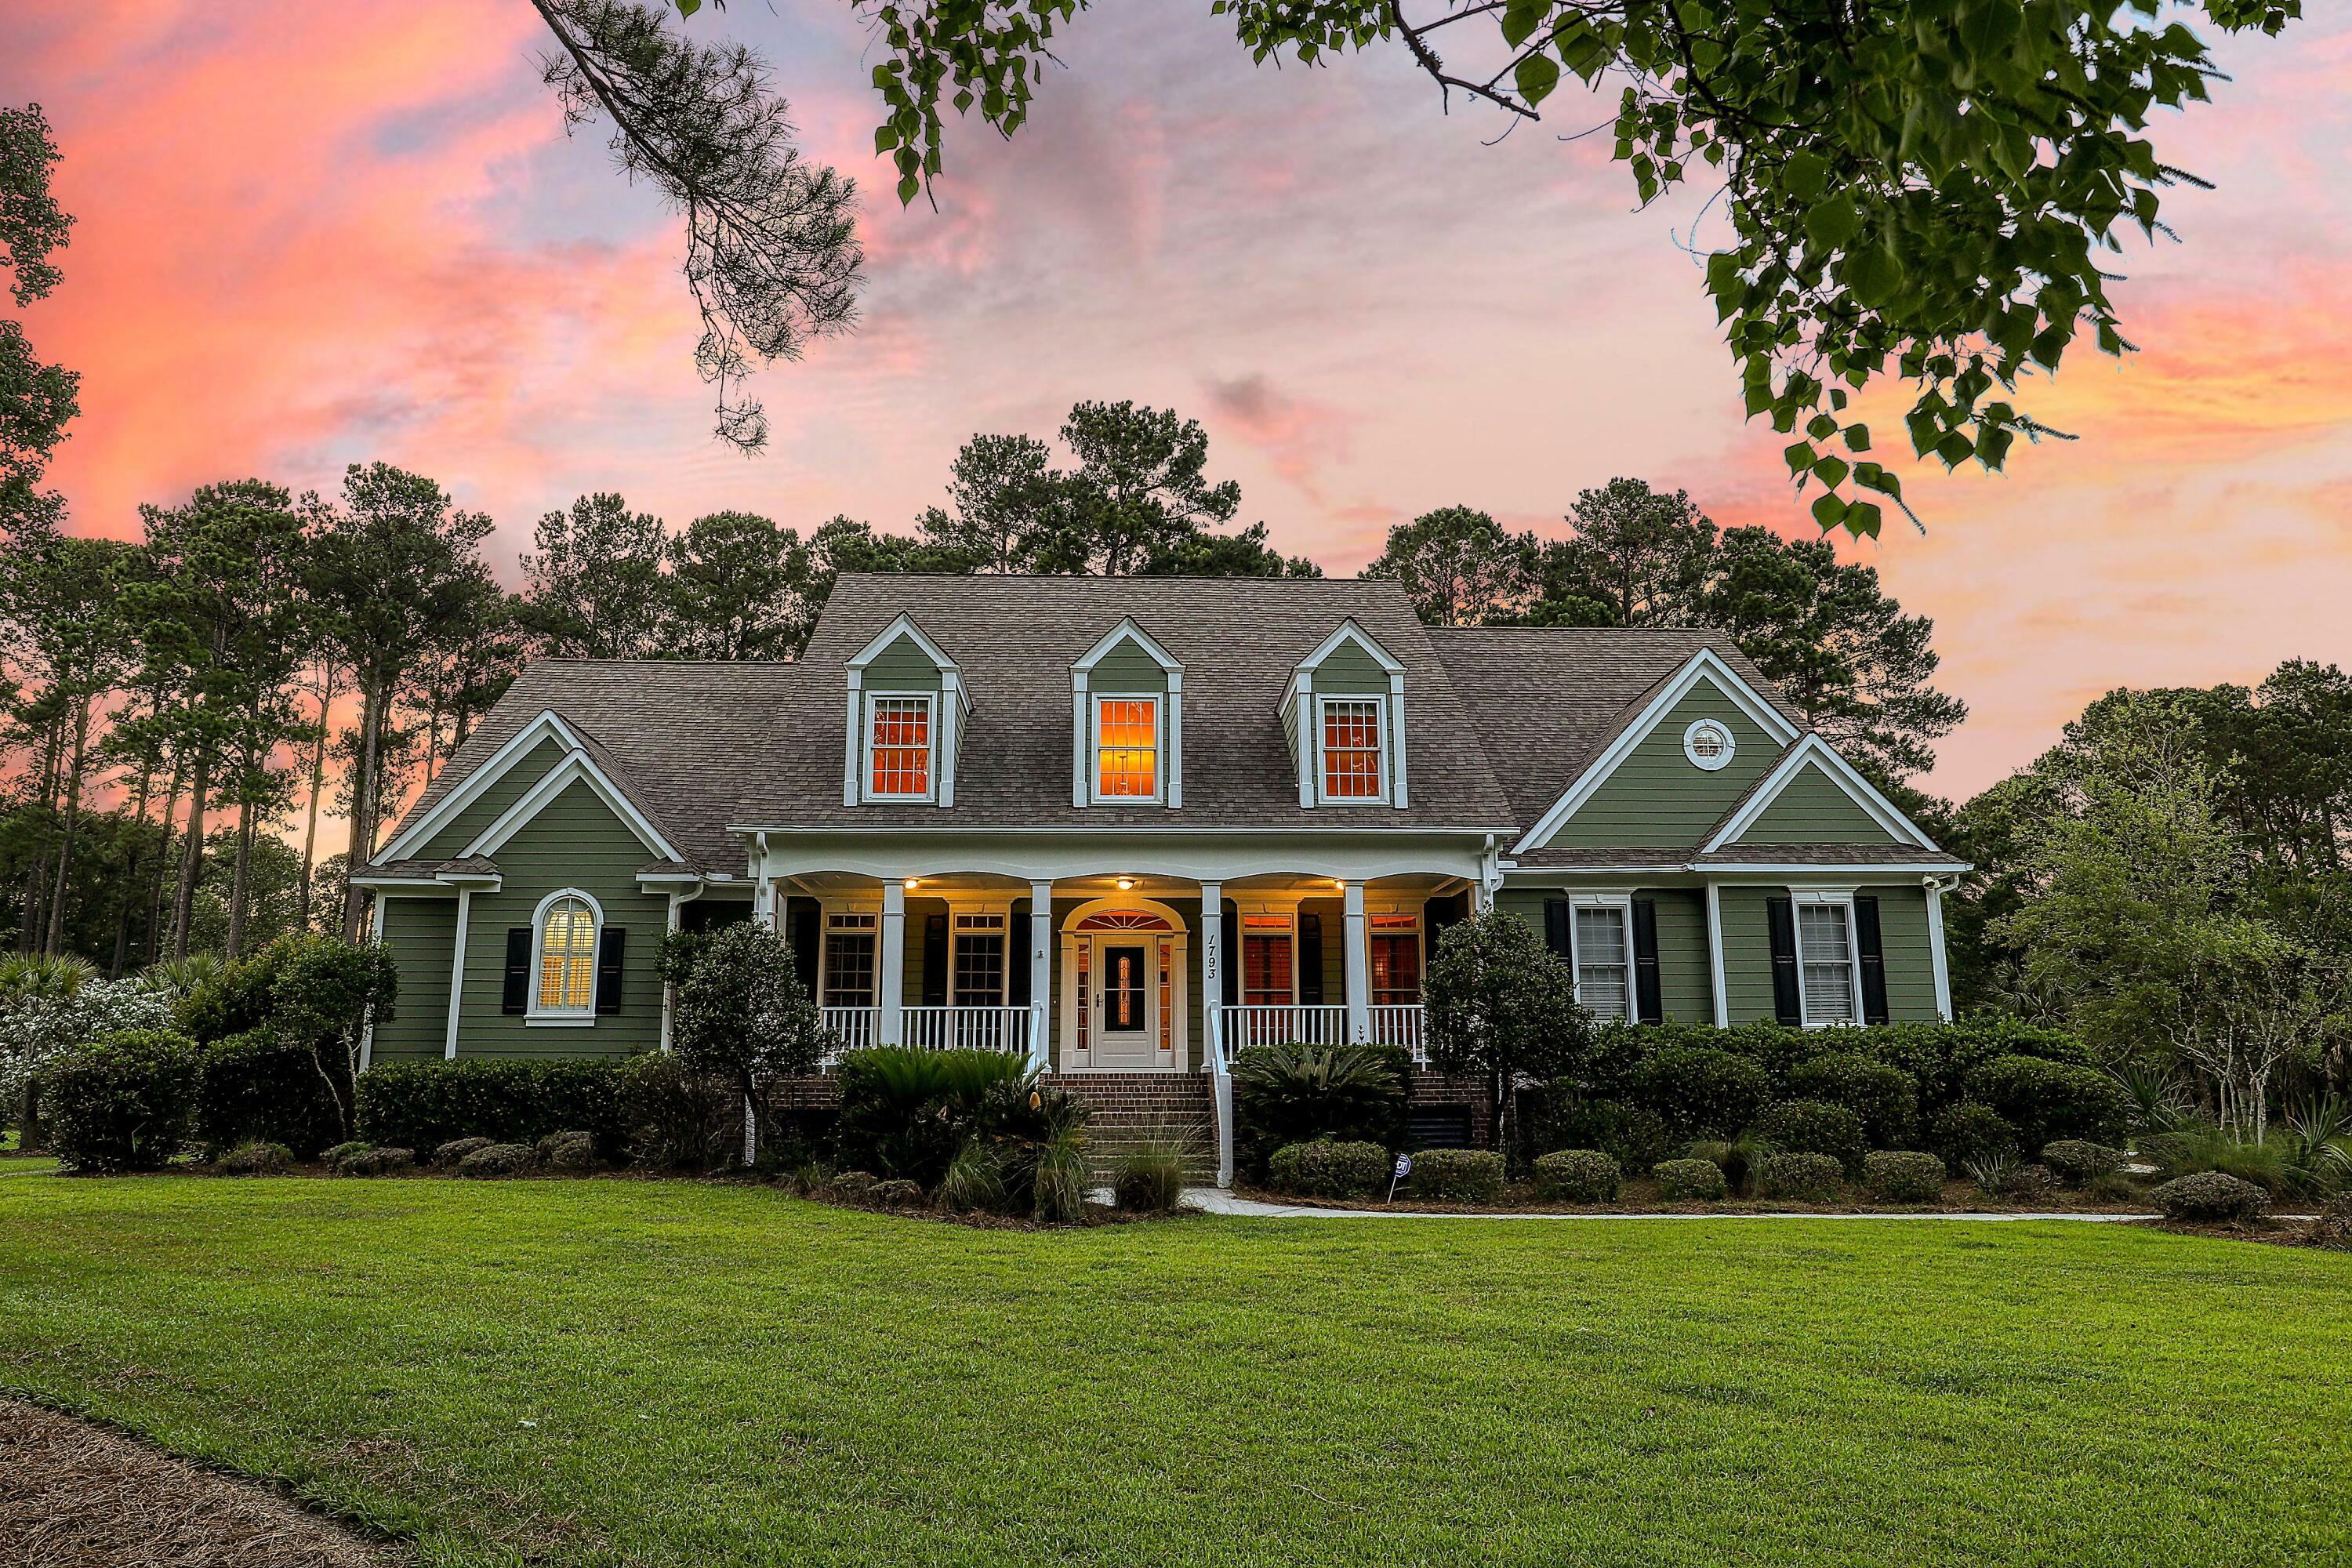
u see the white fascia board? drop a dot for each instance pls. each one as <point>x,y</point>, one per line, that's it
<point>1811,752</point>
<point>406,887</point>
<point>1128,631</point>
<point>1349,631</point>
<point>577,767</point>
<point>546,726</point>
<point>1705,665</point>
<point>905,626</point>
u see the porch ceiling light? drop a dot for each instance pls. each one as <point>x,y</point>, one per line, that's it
<point>914,881</point>
<point>1125,883</point>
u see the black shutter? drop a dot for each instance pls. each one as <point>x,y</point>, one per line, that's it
<point>1651,1006</point>
<point>1310,961</point>
<point>1874,958</point>
<point>1230,920</point>
<point>610,943</point>
<point>516,996</point>
<point>804,928</point>
<point>1016,959</point>
<point>935,961</point>
<point>1556,927</point>
<point>1780,915</point>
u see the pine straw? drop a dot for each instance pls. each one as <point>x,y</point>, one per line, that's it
<point>76,1495</point>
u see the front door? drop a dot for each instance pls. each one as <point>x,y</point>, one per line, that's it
<point>1126,1006</point>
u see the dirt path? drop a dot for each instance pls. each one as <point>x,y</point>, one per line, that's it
<point>76,1495</point>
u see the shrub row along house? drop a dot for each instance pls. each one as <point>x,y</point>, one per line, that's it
<point>1128,827</point>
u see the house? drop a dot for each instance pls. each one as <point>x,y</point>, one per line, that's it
<point>1128,826</point>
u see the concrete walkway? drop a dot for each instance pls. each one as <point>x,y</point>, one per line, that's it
<point>1214,1200</point>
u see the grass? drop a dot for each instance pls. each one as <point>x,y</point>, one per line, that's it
<point>670,1374</point>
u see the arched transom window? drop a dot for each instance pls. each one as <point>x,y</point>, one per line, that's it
<point>567,956</point>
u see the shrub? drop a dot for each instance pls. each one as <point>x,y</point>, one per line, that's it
<point>1886,1097</point>
<point>2047,1100</point>
<point>498,1160</point>
<point>2078,1163</point>
<point>1150,1176</point>
<point>1700,1092</point>
<point>2001,1176</point>
<point>1901,1176</point>
<point>2332,1228</point>
<point>905,1113</point>
<point>257,1085</point>
<point>1579,1176</point>
<point>677,1120</point>
<point>423,1105</point>
<point>1733,1155</point>
<point>1635,1137</point>
<point>897,1194</point>
<point>1814,1127</point>
<point>1939,1057</point>
<point>1457,1176</point>
<point>2189,1150</point>
<point>339,1152</point>
<point>255,1159</point>
<point>1328,1168</point>
<point>1799,1174</point>
<point>380,1161</point>
<point>853,1187</point>
<point>122,1103</point>
<point>738,1010</point>
<point>449,1154</point>
<point>975,1179</point>
<point>1967,1134</point>
<point>573,1150</point>
<point>1680,1181</point>
<point>1057,1181</point>
<point>2210,1197</point>
<point>51,1004</point>
<point>1299,1094</point>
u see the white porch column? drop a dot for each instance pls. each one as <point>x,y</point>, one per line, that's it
<point>458,973</point>
<point>1213,975</point>
<point>763,886</point>
<point>1360,967</point>
<point>891,960</point>
<point>1041,975</point>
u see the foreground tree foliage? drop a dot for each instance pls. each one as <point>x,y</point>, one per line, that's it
<point>739,1012</point>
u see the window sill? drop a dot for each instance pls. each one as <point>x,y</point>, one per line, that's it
<point>559,1020</point>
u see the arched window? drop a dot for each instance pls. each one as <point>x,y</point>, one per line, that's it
<point>567,955</point>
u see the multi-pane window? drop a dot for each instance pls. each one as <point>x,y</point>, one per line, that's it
<point>1127,748</point>
<point>1396,961</point>
<point>1604,961</point>
<point>567,957</point>
<point>1167,946</point>
<point>899,744</point>
<point>849,972</point>
<point>1351,749</point>
<point>979,960</point>
<point>1266,960</point>
<point>1825,957</point>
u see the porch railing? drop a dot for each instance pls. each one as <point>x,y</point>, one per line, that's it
<point>966,1029</point>
<point>1399,1024</point>
<point>853,1028</point>
<point>1396,1023</point>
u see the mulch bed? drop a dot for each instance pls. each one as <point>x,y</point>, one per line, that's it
<point>74,1494</point>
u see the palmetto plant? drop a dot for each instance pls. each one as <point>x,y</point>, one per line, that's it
<point>2318,1143</point>
<point>40,976</point>
<point>2159,1101</point>
<point>178,977</point>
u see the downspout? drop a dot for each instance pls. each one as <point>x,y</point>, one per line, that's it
<point>678,901</point>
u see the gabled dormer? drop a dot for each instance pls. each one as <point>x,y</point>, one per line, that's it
<point>1343,714</point>
<point>907,711</point>
<point>1127,722</point>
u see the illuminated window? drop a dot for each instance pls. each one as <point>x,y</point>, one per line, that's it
<point>979,960</point>
<point>899,748</point>
<point>1825,966</point>
<point>567,957</point>
<point>1085,1013</point>
<point>1167,991</point>
<point>1266,960</point>
<point>1396,961</point>
<point>848,974</point>
<point>1127,748</point>
<point>1351,749</point>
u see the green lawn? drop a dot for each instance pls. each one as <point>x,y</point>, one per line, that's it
<point>637,1371</point>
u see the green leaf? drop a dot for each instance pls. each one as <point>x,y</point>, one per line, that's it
<point>1807,175</point>
<point>1536,75</point>
<point>1828,510</point>
<point>1831,223</point>
<point>1862,517</point>
<point>1830,472</point>
<point>1799,456</point>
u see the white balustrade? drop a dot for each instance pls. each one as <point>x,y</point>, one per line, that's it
<point>966,1029</point>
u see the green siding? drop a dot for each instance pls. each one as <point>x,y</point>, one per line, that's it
<point>1350,671</point>
<point>575,841</point>
<point>902,667</point>
<point>1655,798</point>
<point>1903,938</point>
<point>510,787</point>
<point>417,931</point>
<point>1814,809</point>
<point>1685,991</point>
<point>1747,954</point>
<point>1128,668</point>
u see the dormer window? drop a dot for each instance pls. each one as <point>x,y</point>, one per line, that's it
<point>898,746</point>
<point>1352,751</point>
<point>1127,748</point>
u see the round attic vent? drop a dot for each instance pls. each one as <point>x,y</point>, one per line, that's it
<point>1709,744</point>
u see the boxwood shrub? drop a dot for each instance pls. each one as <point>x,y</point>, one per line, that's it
<point>1800,1175</point>
<point>1682,1179</point>
<point>500,1160</point>
<point>1577,1176</point>
<point>1972,1134</point>
<point>1457,1176</point>
<point>423,1105</point>
<point>1632,1135</point>
<point>1885,1097</point>
<point>1697,1091</point>
<point>122,1102</point>
<point>1903,1176</point>
<point>1329,1168</point>
<point>1814,1127</point>
<point>258,1085</point>
<point>2078,1162</point>
<point>2048,1100</point>
<point>2210,1197</point>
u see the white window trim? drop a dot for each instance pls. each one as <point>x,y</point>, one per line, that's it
<point>1624,904</point>
<point>543,1018</point>
<point>1690,745</point>
<point>1420,934</point>
<point>1242,914</point>
<point>866,792</point>
<point>1798,898</point>
<point>1377,702</point>
<point>1094,797</point>
<point>999,910</point>
<point>831,912</point>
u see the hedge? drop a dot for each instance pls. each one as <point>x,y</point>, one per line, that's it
<point>1813,1127</point>
<point>1886,1097</point>
<point>1577,1176</point>
<point>1632,1135</point>
<point>1679,1180</point>
<point>1458,1175</point>
<point>122,1103</point>
<point>257,1087</point>
<point>1903,1176</point>
<point>423,1105</point>
<point>1698,1090</point>
<point>2048,1100</point>
<point>1328,1168</point>
<point>1806,1176</point>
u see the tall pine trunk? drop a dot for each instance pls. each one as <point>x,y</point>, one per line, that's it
<point>240,883</point>
<point>131,869</point>
<point>373,702</point>
<point>30,931</point>
<point>163,876</point>
<point>317,783</point>
<point>78,760</point>
<point>192,850</point>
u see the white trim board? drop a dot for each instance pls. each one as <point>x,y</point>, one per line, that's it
<point>575,768</point>
<point>547,725</point>
<point>1128,630</point>
<point>1350,630</point>
<point>1812,750</point>
<point>1704,665</point>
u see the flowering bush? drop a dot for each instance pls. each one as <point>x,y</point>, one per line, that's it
<point>34,1026</point>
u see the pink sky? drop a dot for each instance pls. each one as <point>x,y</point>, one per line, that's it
<point>310,235</point>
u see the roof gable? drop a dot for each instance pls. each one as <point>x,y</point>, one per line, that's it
<point>1815,771</point>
